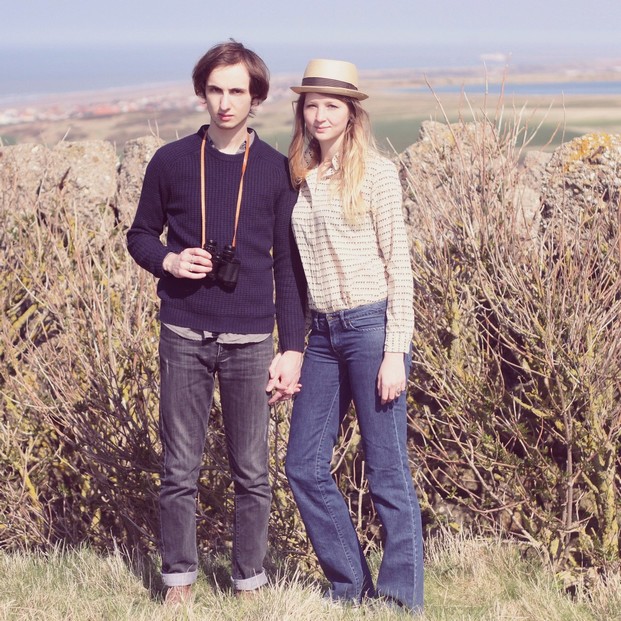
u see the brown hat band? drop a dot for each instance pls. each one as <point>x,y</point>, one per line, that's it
<point>328,82</point>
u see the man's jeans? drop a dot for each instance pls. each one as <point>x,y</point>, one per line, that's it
<point>341,362</point>
<point>188,370</point>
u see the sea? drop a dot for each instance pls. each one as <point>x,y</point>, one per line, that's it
<point>560,87</point>
<point>28,73</point>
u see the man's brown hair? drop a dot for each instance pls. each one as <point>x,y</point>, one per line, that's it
<point>233,53</point>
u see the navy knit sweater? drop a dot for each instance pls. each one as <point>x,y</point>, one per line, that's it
<point>171,199</point>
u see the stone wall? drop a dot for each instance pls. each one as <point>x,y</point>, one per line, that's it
<point>104,190</point>
<point>579,177</point>
<point>87,175</point>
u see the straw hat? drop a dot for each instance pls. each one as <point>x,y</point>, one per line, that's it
<point>332,77</point>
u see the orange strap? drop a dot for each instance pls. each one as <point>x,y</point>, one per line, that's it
<point>239,192</point>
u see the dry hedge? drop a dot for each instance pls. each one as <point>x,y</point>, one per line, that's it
<point>515,388</point>
<point>513,396</point>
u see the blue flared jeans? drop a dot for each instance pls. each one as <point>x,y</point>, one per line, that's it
<point>188,370</point>
<point>341,364</point>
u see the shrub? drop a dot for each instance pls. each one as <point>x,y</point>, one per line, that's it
<point>514,397</point>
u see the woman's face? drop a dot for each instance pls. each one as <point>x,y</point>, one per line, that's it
<point>326,118</point>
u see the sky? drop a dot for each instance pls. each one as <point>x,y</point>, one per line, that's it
<point>167,36</point>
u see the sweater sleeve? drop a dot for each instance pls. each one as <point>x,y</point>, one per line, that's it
<point>290,283</point>
<point>144,236</point>
<point>387,198</point>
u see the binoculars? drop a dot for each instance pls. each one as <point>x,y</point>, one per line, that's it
<point>226,265</point>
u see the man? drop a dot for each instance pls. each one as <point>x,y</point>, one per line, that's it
<point>217,313</point>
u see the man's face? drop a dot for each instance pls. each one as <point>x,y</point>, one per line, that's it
<point>227,94</point>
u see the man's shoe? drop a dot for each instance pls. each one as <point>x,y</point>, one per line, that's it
<point>178,594</point>
<point>248,593</point>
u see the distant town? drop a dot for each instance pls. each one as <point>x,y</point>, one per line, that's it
<point>80,107</point>
<point>107,103</point>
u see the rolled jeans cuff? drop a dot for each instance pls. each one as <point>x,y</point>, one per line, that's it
<point>250,584</point>
<point>180,579</point>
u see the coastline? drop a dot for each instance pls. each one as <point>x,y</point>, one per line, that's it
<point>401,99</point>
<point>411,77</point>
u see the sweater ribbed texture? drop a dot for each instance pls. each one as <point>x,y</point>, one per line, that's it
<point>171,200</point>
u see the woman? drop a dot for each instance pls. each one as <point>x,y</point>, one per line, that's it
<point>349,227</point>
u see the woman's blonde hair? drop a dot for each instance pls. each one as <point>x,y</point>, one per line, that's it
<point>305,154</point>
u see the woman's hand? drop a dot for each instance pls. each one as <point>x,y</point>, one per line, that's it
<point>284,374</point>
<point>391,380</point>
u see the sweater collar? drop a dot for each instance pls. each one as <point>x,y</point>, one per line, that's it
<point>242,147</point>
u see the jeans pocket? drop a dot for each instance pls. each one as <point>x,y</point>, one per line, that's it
<point>367,323</point>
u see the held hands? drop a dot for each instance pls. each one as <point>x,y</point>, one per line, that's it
<point>194,263</point>
<point>284,375</point>
<point>391,380</point>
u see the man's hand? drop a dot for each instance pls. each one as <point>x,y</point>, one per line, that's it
<point>194,263</point>
<point>391,380</point>
<point>284,376</point>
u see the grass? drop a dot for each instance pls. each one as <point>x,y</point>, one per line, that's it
<point>467,579</point>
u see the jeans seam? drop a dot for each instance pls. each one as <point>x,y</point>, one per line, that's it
<point>328,508</point>
<point>409,497</point>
